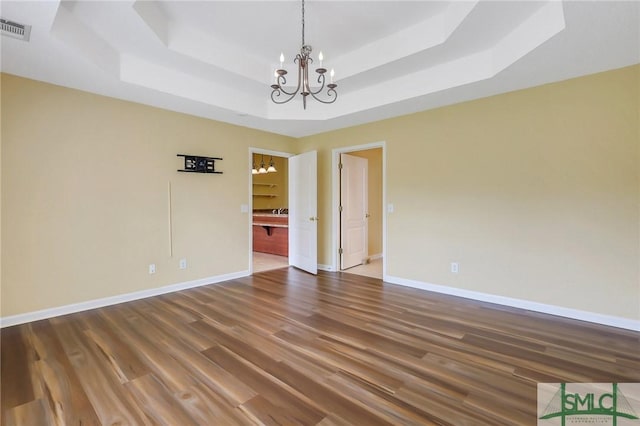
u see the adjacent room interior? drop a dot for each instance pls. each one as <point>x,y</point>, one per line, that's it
<point>270,222</point>
<point>476,257</point>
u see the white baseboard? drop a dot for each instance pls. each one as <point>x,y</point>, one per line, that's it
<point>112,300</point>
<point>330,268</point>
<point>593,317</point>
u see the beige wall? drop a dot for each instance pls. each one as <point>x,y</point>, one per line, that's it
<point>279,180</point>
<point>374,197</point>
<point>85,198</point>
<point>535,193</point>
<point>1,243</point>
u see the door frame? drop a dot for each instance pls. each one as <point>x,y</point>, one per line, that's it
<point>252,151</point>
<point>335,201</point>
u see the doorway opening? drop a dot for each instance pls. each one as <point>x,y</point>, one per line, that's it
<point>359,197</point>
<point>269,210</point>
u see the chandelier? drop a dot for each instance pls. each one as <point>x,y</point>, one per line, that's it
<point>262,170</point>
<point>304,60</point>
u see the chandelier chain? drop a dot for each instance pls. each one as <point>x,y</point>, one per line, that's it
<point>303,22</point>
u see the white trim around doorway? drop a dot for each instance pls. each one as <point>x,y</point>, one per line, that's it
<point>335,200</point>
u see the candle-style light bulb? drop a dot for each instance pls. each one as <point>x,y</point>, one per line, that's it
<point>281,59</point>
<point>332,74</point>
<point>320,57</point>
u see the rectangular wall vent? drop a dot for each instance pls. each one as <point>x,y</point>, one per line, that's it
<point>15,30</point>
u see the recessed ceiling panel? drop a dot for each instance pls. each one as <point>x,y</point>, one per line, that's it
<point>216,58</point>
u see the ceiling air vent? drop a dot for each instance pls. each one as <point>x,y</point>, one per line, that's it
<point>15,30</point>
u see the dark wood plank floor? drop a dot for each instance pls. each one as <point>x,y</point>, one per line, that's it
<point>284,347</point>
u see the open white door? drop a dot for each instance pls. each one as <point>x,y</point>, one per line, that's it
<point>353,217</point>
<point>303,211</point>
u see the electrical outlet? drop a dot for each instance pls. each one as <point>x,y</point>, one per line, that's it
<point>454,267</point>
<point>183,263</point>
<point>152,268</point>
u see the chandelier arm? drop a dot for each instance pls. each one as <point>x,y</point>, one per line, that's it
<point>321,81</point>
<point>285,92</point>
<point>330,93</point>
<point>282,82</point>
<point>276,93</point>
<point>281,86</point>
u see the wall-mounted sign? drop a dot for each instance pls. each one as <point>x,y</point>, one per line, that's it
<point>196,164</point>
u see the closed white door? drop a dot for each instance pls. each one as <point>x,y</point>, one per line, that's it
<point>353,215</point>
<point>303,211</point>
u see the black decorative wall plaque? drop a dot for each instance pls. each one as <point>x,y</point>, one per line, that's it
<point>196,164</point>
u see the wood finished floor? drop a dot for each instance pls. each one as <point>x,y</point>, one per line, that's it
<point>284,347</point>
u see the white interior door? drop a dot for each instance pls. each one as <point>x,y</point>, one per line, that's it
<point>353,217</point>
<point>303,211</point>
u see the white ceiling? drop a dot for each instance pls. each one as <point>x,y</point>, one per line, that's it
<point>216,59</point>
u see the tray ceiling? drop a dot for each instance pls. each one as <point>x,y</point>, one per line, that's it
<point>216,59</point>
